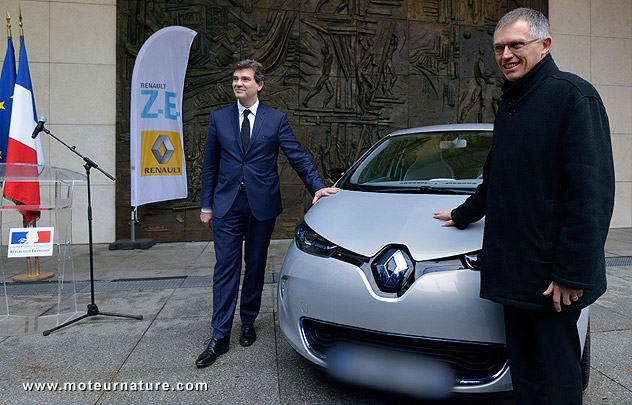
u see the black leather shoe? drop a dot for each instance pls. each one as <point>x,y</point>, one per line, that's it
<point>214,349</point>
<point>248,334</point>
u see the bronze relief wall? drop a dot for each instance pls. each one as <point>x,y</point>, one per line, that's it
<point>346,72</point>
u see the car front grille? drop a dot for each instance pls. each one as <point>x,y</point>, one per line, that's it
<point>473,362</point>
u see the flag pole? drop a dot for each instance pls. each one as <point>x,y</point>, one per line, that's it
<point>134,219</point>
<point>8,23</point>
<point>20,20</point>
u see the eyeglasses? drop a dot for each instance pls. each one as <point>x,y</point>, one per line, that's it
<point>513,46</point>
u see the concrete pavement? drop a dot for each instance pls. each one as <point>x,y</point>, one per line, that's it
<point>170,285</point>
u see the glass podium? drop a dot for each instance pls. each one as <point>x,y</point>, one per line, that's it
<point>37,284</point>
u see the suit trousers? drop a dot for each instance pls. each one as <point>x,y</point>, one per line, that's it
<point>228,233</point>
<point>544,356</point>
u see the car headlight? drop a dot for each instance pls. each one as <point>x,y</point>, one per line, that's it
<point>310,242</point>
<point>471,261</point>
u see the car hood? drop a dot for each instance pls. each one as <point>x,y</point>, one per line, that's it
<point>366,222</point>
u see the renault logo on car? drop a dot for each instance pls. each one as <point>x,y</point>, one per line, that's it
<point>392,268</point>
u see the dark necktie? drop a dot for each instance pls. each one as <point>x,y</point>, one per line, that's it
<point>245,130</point>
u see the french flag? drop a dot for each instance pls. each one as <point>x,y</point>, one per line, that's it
<point>21,147</point>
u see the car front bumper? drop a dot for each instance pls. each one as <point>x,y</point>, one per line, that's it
<point>322,300</point>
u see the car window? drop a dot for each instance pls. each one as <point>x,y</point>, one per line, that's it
<point>450,159</point>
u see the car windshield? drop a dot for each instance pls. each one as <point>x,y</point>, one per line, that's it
<point>435,161</point>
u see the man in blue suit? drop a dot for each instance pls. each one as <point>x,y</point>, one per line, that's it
<point>241,199</point>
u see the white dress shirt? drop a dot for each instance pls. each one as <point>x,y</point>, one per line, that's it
<point>251,116</point>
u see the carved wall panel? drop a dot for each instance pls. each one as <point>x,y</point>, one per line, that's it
<point>346,72</point>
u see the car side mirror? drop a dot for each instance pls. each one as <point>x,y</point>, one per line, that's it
<point>336,173</point>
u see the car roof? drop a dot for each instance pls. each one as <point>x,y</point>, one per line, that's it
<point>445,128</point>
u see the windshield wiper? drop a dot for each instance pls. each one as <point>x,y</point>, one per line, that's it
<point>351,186</point>
<point>416,189</point>
<point>424,190</point>
<point>359,187</point>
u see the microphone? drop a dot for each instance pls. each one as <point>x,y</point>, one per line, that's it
<point>40,126</point>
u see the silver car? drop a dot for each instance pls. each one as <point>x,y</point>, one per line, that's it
<point>370,266</point>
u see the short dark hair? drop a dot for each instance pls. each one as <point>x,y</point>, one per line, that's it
<point>260,73</point>
<point>537,21</point>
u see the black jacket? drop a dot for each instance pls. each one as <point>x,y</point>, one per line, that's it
<point>547,192</point>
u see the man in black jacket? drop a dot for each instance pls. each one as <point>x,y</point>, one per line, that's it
<point>547,196</point>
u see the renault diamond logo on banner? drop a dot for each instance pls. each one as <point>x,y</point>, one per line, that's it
<point>161,153</point>
<point>162,149</point>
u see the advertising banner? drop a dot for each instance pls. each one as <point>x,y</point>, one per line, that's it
<point>157,163</point>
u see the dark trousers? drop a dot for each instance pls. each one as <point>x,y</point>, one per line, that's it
<point>228,233</point>
<point>544,356</point>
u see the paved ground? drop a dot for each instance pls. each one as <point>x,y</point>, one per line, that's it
<point>169,285</point>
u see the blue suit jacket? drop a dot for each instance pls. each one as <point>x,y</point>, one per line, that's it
<point>226,163</point>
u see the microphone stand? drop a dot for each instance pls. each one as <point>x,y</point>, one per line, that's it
<point>93,310</point>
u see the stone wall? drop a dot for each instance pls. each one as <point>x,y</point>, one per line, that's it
<point>346,73</point>
<point>71,52</point>
<point>593,38</point>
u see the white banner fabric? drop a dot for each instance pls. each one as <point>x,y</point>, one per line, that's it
<point>157,163</point>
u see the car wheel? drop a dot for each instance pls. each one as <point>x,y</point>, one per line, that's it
<point>585,363</point>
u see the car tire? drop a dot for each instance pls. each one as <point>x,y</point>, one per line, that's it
<point>585,362</point>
